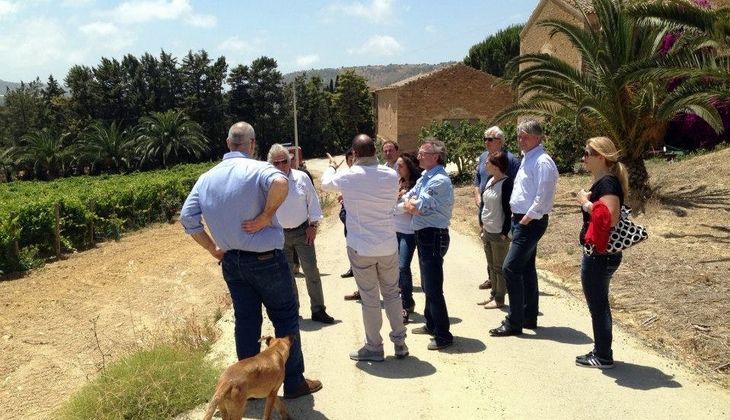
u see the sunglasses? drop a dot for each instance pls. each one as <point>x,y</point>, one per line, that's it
<point>280,162</point>
<point>491,138</point>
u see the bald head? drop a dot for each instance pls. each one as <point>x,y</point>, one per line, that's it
<point>363,146</point>
<point>240,136</point>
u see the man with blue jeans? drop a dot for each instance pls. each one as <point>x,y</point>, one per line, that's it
<point>241,189</point>
<point>431,202</point>
<point>532,199</point>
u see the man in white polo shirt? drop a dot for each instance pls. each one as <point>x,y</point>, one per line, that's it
<point>300,215</point>
<point>370,192</point>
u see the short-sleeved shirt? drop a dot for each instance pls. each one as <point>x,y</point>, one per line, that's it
<point>233,191</point>
<point>607,185</point>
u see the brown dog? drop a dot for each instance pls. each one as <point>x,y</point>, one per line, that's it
<point>259,376</point>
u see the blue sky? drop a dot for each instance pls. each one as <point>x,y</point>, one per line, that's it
<point>42,37</point>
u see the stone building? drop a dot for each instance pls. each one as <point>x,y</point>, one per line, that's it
<point>453,93</point>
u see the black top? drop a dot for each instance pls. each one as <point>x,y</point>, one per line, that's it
<point>607,185</point>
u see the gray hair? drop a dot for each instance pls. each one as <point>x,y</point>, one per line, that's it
<point>241,133</point>
<point>437,146</point>
<point>530,127</point>
<point>494,131</point>
<point>277,149</point>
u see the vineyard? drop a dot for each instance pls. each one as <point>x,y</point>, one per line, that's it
<point>40,220</point>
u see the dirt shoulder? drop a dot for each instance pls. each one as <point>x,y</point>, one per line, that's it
<point>129,289</point>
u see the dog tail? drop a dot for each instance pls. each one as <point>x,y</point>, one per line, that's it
<point>216,399</point>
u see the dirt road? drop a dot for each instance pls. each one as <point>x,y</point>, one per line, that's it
<point>532,376</point>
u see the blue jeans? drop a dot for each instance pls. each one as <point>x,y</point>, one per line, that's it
<point>520,272</point>
<point>406,248</point>
<point>595,275</point>
<point>432,245</point>
<point>264,278</point>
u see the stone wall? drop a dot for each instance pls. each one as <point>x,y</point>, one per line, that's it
<point>386,114</point>
<point>536,39</point>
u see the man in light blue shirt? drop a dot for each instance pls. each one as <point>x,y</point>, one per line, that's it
<point>431,202</point>
<point>531,201</point>
<point>238,199</point>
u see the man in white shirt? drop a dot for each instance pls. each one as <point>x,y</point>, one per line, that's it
<point>390,153</point>
<point>370,192</point>
<point>532,199</point>
<point>300,215</point>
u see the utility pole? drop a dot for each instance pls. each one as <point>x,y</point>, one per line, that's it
<point>296,132</point>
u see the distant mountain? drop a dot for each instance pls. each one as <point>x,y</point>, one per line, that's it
<point>377,76</point>
<point>3,86</point>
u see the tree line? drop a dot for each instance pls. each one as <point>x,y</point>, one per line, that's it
<point>156,111</point>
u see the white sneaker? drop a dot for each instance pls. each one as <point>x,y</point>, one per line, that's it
<point>401,351</point>
<point>365,355</point>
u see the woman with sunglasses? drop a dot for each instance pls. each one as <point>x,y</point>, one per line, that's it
<point>601,207</point>
<point>496,224</point>
<point>409,172</point>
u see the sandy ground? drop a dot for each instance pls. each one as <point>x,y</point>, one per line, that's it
<point>48,349</point>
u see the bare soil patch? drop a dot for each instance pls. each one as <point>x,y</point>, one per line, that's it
<point>126,292</point>
<point>671,291</point>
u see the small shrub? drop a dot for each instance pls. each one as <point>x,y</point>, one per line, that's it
<point>151,384</point>
<point>564,142</point>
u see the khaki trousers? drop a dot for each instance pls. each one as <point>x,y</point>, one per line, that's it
<point>376,276</point>
<point>297,240</point>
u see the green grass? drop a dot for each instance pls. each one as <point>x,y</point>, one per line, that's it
<point>150,384</point>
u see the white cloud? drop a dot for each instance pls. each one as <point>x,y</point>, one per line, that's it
<point>77,3</point>
<point>378,11</point>
<point>99,29</point>
<point>142,11</point>
<point>237,45</point>
<point>35,43</point>
<point>307,60</point>
<point>8,8</point>
<point>378,45</point>
<point>430,29</point>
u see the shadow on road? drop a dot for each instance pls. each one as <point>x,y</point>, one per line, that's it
<point>463,345</point>
<point>417,318</point>
<point>392,368</point>
<point>640,377</point>
<point>565,335</point>
<point>309,325</point>
<point>300,408</point>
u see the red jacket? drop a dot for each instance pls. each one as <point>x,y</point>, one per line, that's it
<point>599,228</point>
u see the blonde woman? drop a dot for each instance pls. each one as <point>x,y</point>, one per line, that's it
<point>602,201</point>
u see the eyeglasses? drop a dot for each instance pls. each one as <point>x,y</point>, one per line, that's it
<point>420,153</point>
<point>280,162</point>
<point>491,138</point>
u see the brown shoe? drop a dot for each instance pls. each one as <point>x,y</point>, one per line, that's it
<point>494,304</point>
<point>354,296</point>
<point>309,386</point>
<point>486,285</point>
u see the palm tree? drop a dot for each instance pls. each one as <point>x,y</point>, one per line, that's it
<point>612,94</point>
<point>168,137</point>
<point>46,152</point>
<point>107,147</point>
<point>8,163</point>
<point>714,25</point>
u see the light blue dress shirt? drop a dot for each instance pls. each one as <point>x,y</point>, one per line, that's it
<point>434,196</point>
<point>534,187</point>
<point>233,191</point>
